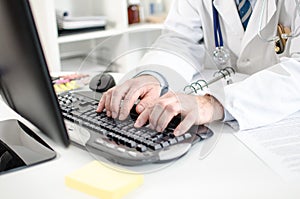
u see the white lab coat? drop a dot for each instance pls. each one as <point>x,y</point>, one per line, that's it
<point>271,93</point>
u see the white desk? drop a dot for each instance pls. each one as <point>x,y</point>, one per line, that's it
<point>229,171</point>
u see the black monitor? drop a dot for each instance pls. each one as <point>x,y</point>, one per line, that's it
<point>26,86</point>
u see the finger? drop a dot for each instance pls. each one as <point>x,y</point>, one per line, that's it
<point>130,98</point>
<point>146,102</point>
<point>142,118</point>
<point>155,115</point>
<point>101,104</point>
<point>185,125</point>
<point>159,108</point>
<point>170,111</point>
<point>148,99</point>
<point>107,104</point>
<point>117,96</point>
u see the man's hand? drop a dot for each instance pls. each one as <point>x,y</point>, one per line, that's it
<point>119,100</point>
<point>194,109</point>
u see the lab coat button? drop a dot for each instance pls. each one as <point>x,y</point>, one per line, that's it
<point>246,60</point>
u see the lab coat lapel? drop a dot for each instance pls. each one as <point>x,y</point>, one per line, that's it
<point>231,25</point>
<point>228,15</point>
<point>254,22</point>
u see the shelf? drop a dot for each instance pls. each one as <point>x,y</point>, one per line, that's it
<point>105,33</point>
<point>87,35</point>
<point>146,26</point>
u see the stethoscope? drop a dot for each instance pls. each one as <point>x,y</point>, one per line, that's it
<point>221,54</point>
<point>295,33</point>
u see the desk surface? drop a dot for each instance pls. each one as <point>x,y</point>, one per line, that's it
<point>230,171</point>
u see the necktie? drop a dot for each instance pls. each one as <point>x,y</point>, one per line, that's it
<point>245,10</point>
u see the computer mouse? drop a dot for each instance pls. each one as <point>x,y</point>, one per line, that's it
<point>102,82</point>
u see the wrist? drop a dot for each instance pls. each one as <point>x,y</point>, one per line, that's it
<point>160,79</point>
<point>216,107</point>
<point>149,78</point>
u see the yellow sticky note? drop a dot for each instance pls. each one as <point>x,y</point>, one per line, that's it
<point>57,88</point>
<point>103,181</point>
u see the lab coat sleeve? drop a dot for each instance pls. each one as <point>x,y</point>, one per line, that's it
<point>178,49</point>
<point>265,97</point>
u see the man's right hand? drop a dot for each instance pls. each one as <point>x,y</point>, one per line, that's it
<point>119,100</point>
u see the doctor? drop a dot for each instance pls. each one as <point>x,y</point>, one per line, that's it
<point>244,30</point>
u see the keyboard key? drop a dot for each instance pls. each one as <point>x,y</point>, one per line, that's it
<point>141,148</point>
<point>187,135</point>
<point>172,141</point>
<point>148,143</point>
<point>131,144</point>
<point>155,146</point>
<point>122,140</point>
<point>165,144</point>
<point>180,138</point>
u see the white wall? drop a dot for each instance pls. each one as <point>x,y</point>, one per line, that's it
<point>44,15</point>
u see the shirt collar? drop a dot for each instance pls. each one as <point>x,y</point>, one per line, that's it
<point>251,1</point>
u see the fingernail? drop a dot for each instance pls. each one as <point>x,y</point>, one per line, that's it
<point>151,126</point>
<point>114,114</point>
<point>158,129</point>
<point>98,108</point>
<point>122,117</point>
<point>177,133</point>
<point>137,124</point>
<point>108,113</point>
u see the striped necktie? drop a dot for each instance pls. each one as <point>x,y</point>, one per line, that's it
<point>245,11</point>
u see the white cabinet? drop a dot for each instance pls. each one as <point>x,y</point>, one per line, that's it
<point>57,47</point>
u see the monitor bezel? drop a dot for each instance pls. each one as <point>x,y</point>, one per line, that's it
<point>23,21</point>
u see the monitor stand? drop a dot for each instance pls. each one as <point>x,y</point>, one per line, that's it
<point>20,147</point>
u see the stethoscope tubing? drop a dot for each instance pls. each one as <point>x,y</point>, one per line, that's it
<point>217,28</point>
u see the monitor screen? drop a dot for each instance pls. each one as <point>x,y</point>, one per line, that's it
<point>25,82</point>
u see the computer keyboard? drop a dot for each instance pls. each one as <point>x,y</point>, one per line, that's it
<point>119,141</point>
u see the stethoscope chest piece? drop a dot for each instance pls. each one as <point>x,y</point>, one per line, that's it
<point>221,56</point>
